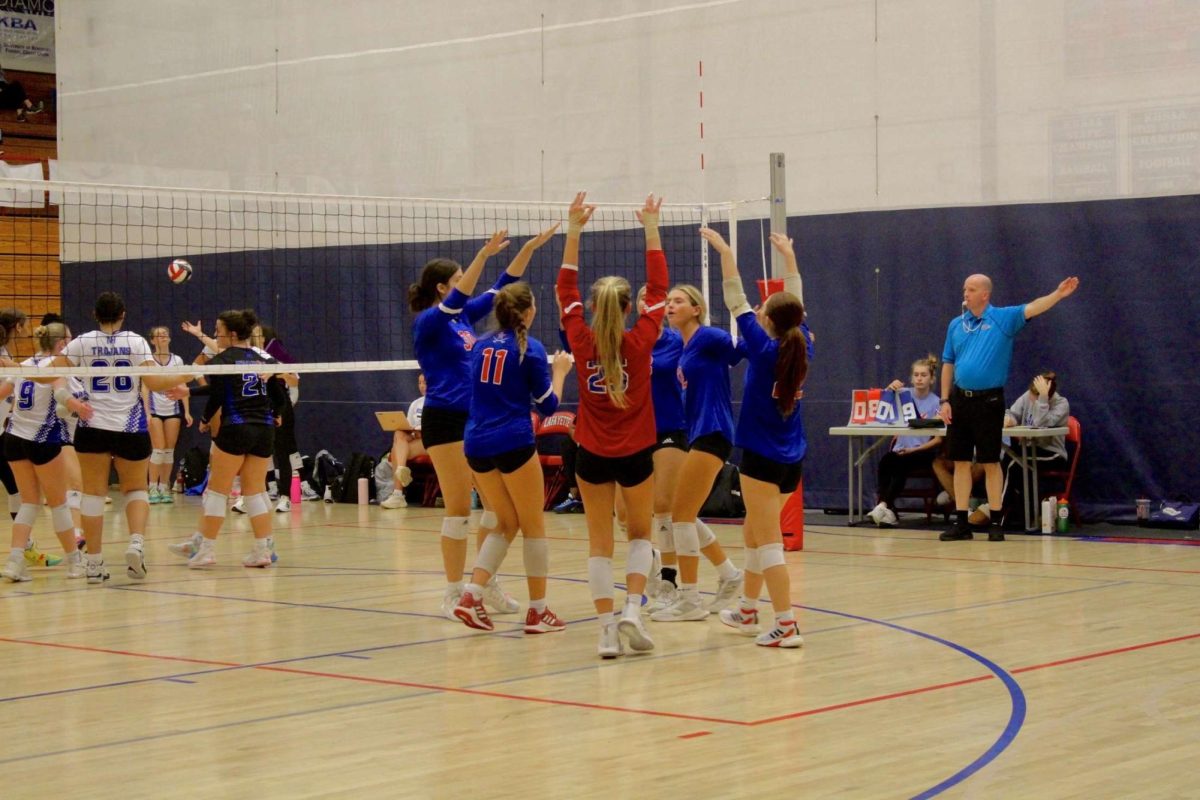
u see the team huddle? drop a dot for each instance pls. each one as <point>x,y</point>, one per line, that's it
<point>654,427</point>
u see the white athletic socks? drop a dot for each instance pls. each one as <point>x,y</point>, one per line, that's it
<point>538,605</point>
<point>726,571</point>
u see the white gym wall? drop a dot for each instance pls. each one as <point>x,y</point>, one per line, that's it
<point>978,101</point>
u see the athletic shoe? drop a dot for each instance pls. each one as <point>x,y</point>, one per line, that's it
<point>285,505</point>
<point>876,513</point>
<point>96,571</point>
<point>450,601</point>
<point>959,533</point>
<point>887,519</point>
<point>500,601</point>
<point>630,626</point>
<point>546,622</point>
<point>571,505</point>
<point>744,622</point>
<point>666,597</point>
<point>203,558</point>
<point>260,556</point>
<point>152,496</point>
<point>240,505</point>
<point>135,562</point>
<point>942,500</point>
<point>784,634</point>
<point>395,500</point>
<point>996,535</point>
<point>307,493</point>
<point>726,591</point>
<point>15,570</point>
<point>188,547</point>
<point>165,497</point>
<point>684,609</point>
<point>610,642</point>
<point>981,517</point>
<point>404,476</point>
<point>75,567</point>
<point>470,612</point>
<point>36,558</point>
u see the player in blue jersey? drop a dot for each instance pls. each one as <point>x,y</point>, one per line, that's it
<point>508,368</point>
<point>443,338</point>
<point>777,344</point>
<point>704,374</point>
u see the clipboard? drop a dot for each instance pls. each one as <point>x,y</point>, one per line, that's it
<point>393,421</point>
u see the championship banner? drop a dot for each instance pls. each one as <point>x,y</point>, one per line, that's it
<point>27,35</point>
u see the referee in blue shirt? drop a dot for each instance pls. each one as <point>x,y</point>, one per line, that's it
<point>978,351</point>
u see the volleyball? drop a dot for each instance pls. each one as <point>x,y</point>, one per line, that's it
<point>179,271</point>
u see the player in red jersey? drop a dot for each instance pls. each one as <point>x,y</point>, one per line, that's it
<point>615,427</point>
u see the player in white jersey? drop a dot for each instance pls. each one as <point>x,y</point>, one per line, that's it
<point>165,417</point>
<point>116,435</point>
<point>33,447</point>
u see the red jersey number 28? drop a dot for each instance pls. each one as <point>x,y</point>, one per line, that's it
<point>493,368</point>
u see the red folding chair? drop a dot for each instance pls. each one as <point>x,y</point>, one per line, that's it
<point>550,435</point>
<point>1067,476</point>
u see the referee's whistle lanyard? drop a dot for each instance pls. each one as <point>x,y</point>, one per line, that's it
<point>970,323</point>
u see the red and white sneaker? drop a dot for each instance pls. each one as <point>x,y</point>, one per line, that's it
<point>547,622</point>
<point>744,621</point>
<point>784,634</point>
<point>471,612</point>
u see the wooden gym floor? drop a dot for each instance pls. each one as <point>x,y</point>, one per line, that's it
<point>1033,668</point>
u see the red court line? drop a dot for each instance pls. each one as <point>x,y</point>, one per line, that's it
<point>1131,648</point>
<point>1007,561</point>
<point>695,735</point>
<point>865,701</point>
<point>106,651</point>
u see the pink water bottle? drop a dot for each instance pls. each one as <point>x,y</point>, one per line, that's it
<point>295,490</point>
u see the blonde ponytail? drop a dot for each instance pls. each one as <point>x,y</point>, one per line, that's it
<point>610,303</point>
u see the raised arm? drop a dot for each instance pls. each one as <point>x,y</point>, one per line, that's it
<point>791,271</point>
<point>494,245</point>
<point>731,281</point>
<point>577,217</point>
<point>516,267</point>
<point>1047,302</point>
<point>195,330</point>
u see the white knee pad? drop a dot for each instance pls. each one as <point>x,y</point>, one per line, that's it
<point>456,528</point>
<point>770,555</point>
<point>159,456</point>
<point>135,496</point>
<point>61,517</point>
<point>687,539</point>
<point>14,503</point>
<point>600,577</point>
<point>92,505</point>
<point>488,520</point>
<point>257,504</point>
<point>537,557</point>
<point>641,557</point>
<point>214,504</point>
<point>705,534</point>
<point>491,553</point>
<point>753,564</point>
<point>26,514</point>
<point>663,534</point>
<point>74,499</point>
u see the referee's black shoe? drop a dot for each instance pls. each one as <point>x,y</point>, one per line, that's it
<point>961,532</point>
<point>996,534</point>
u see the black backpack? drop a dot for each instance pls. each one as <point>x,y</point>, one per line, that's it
<point>193,467</point>
<point>345,488</point>
<point>725,499</point>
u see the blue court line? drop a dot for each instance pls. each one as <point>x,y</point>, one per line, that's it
<point>353,655</point>
<point>177,680</point>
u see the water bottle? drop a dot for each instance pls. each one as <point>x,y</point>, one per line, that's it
<point>1048,511</point>
<point>328,493</point>
<point>294,493</point>
<point>364,491</point>
<point>1063,513</point>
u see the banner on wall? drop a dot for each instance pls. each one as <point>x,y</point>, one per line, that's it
<point>27,35</point>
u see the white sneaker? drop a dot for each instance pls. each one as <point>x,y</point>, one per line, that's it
<point>630,626</point>
<point>135,562</point>
<point>876,513</point>
<point>188,547</point>
<point>307,493</point>
<point>610,642</point>
<point>887,519</point>
<point>665,598</point>
<point>943,499</point>
<point>285,505</point>
<point>204,557</point>
<point>240,505</point>
<point>727,590</point>
<point>785,634</point>
<point>75,565</point>
<point>498,600</point>
<point>450,601</point>
<point>15,570</point>
<point>96,571</point>
<point>684,609</point>
<point>404,475</point>
<point>395,500</point>
<point>746,624</point>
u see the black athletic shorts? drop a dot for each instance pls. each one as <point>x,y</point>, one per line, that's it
<point>977,425</point>
<point>442,426</point>
<point>768,470</point>
<point>506,462</point>
<point>715,444</point>
<point>17,449</point>
<point>167,417</point>
<point>628,470</point>
<point>247,440</point>
<point>676,439</point>
<point>121,444</point>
